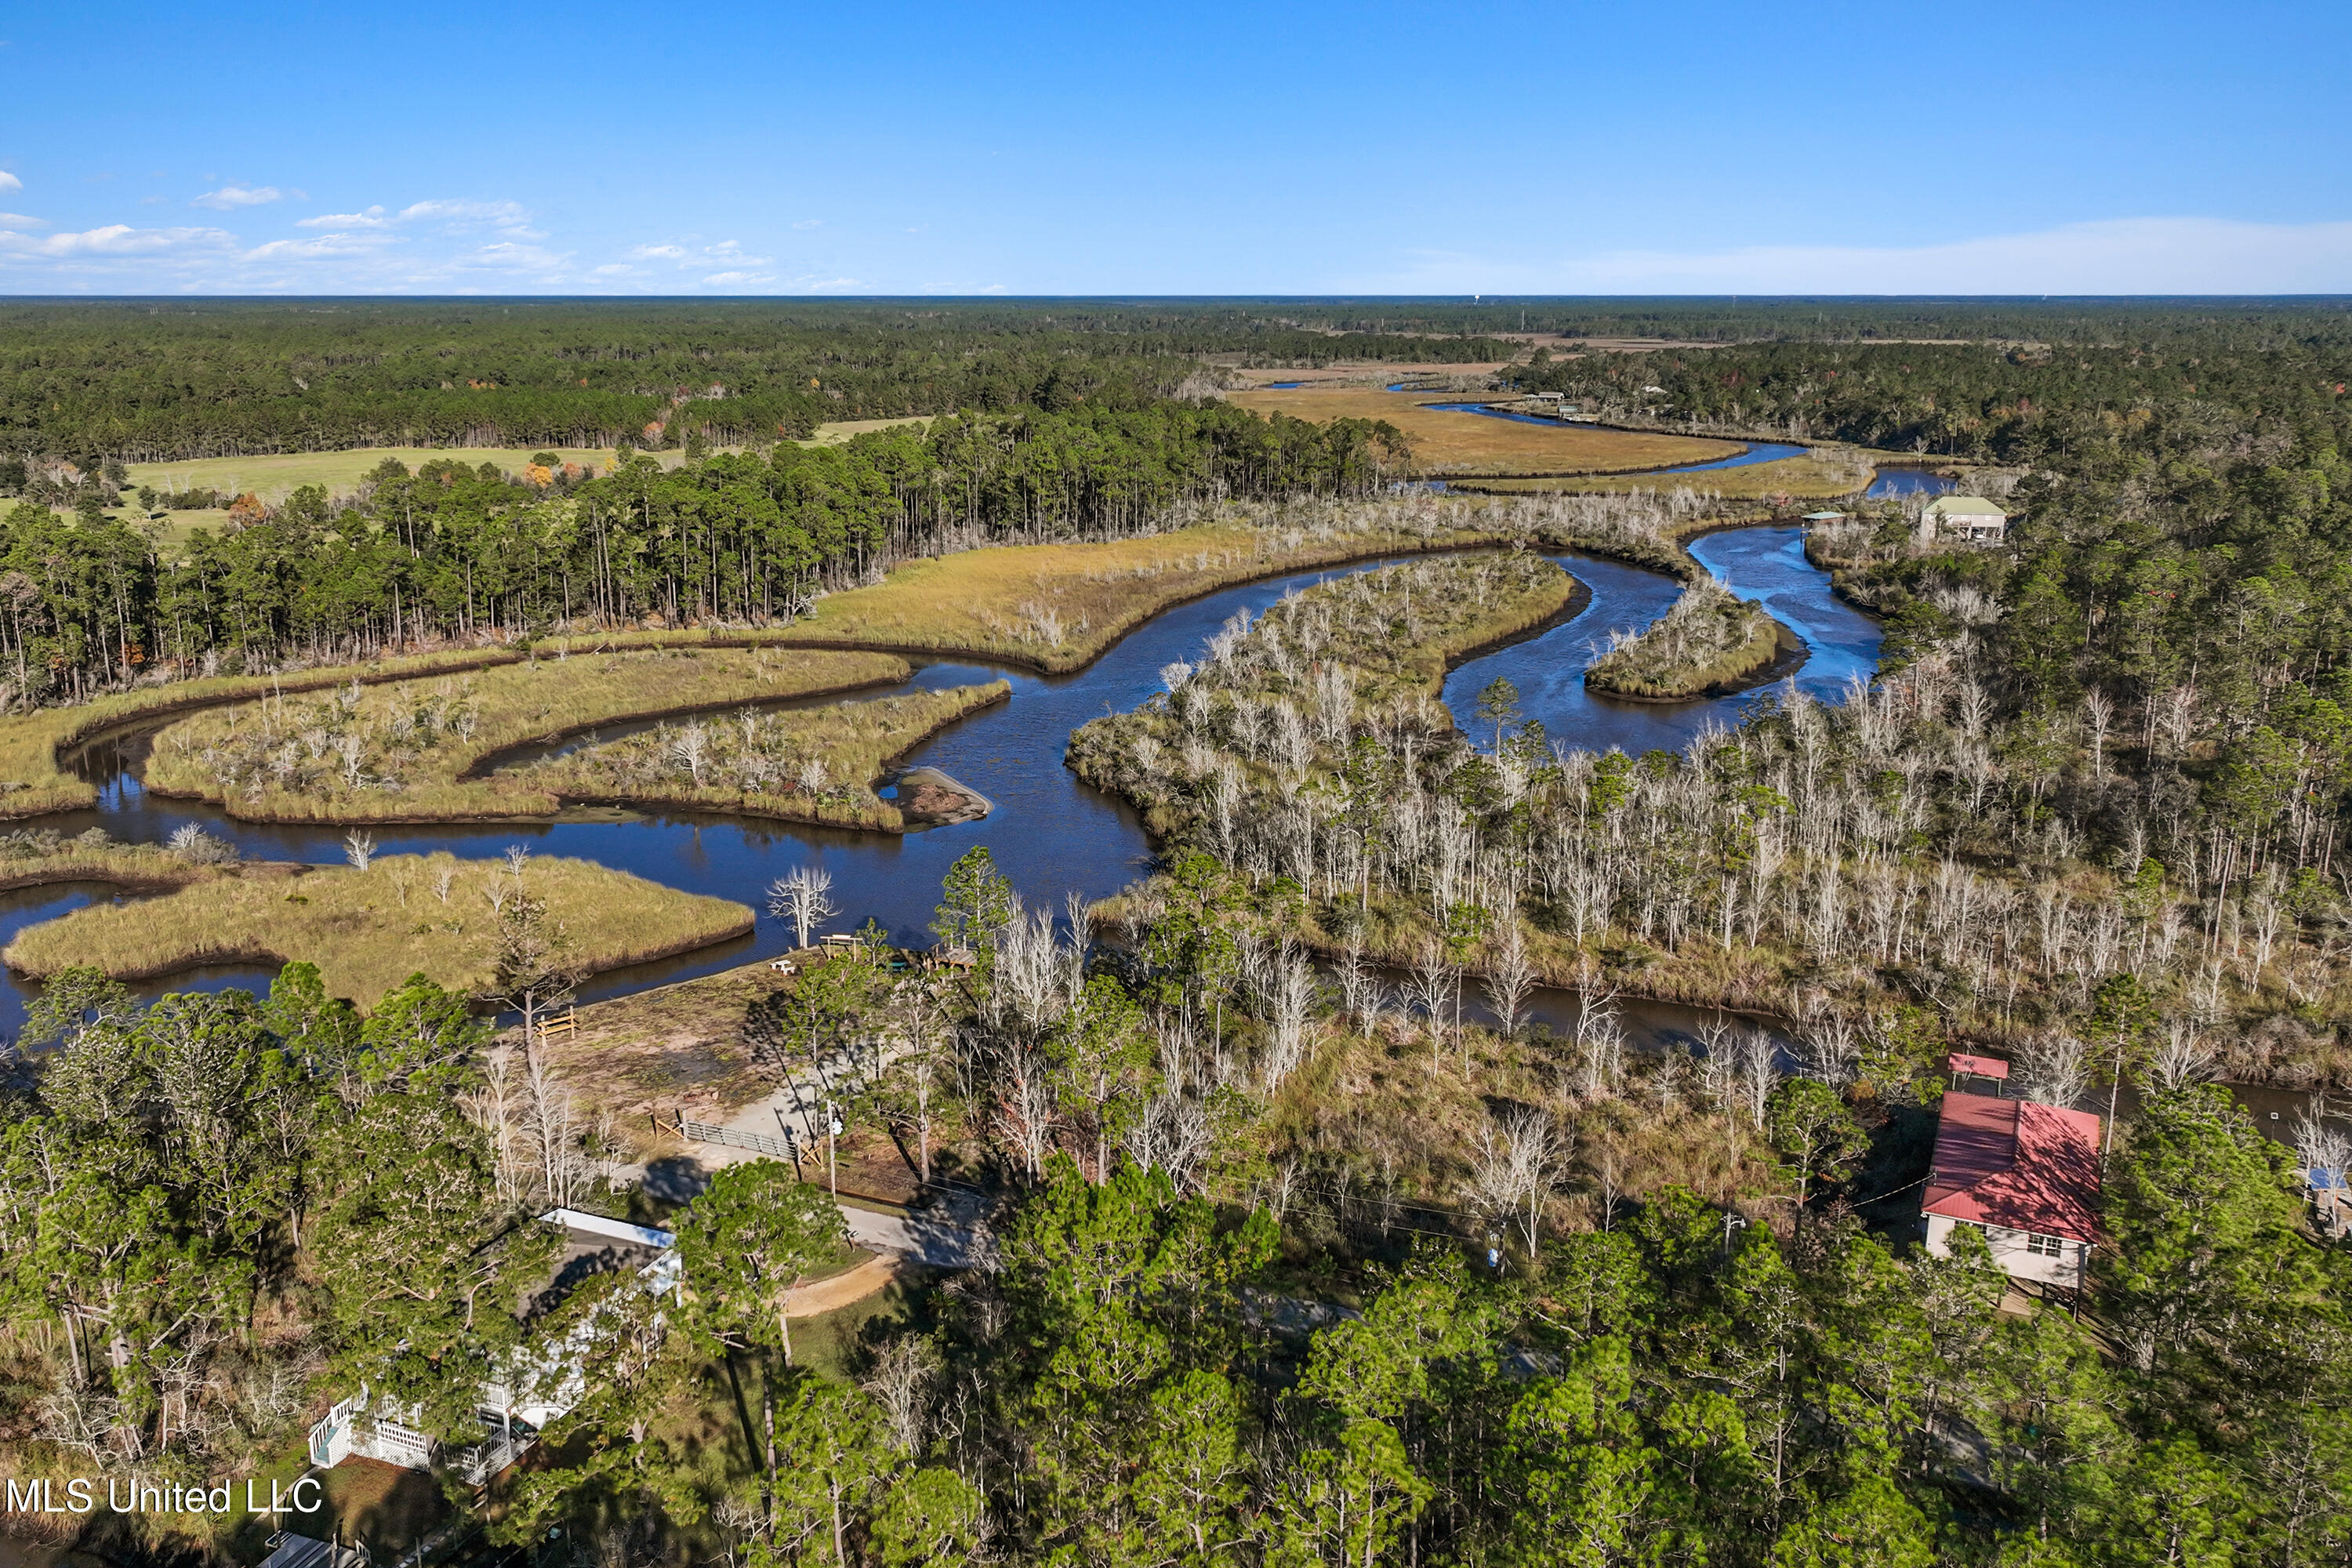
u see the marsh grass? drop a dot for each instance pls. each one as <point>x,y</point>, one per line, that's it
<point>1058,607</point>
<point>400,752</point>
<point>1707,638</point>
<point>32,782</point>
<point>1818,475</point>
<point>1450,442</point>
<point>808,764</point>
<point>368,931</point>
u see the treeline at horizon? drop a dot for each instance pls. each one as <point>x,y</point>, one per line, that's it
<point>157,380</point>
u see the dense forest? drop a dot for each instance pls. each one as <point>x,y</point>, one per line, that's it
<point>226,1212</point>
<point>453,550</point>
<point>155,380</point>
<point>149,381</point>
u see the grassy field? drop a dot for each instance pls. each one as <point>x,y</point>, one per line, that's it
<point>1058,607</point>
<point>368,931</point>
<point>399,751</point>
<point>808,764</point>
<point>1445,444</point>
<point>836,432</point>
<point>276,476</point>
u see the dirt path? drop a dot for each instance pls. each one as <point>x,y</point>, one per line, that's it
<point>829,1295</point>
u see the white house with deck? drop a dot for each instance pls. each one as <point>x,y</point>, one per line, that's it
<point>1971,519</point>
<point>375,1428</point>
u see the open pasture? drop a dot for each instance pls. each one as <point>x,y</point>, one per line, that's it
<point>275,476</point>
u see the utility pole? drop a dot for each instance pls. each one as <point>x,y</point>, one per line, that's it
<point>832,1132</point>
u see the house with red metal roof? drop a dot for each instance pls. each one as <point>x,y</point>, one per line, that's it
<point>2025,1174</point>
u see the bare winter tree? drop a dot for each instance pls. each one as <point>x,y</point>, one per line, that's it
<point>1290,1008</point>
<point>2099,719</point>
<point>1510,977</point>
<point>2182,1056</point>
<point>1431,982</point>
<point>1518,1157</point>
<point>803,898</point>
<point>1025,1107</point>
<point>900,1382</point>
<point>2053,1068</point>
<point>689,749</point>
<point>1758,1073</point>
<point>1600,1042</point>
<point>359,849</point>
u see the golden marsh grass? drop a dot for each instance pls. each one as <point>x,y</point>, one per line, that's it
<point>31,782</point>
<point>368,931</point>
<point>809,764</point>
<point>1448,443</point>
<point>400,752</point>
<point>1058,607</point>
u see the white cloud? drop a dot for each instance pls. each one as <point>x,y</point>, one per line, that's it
<point>810,223</point>
<point>231,196</point>
<point>615,269</point>
<point>116,239</point>
<point>499,215</point>
<point>730,279</point>
<point>371,218</point>
<point>647,252</point>
<point>2119,256</point>
<point>9,182</point>
<point>21,220</point>
<point>507,255</point>
<point>325,245</point>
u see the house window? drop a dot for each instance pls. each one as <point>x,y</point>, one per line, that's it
<point>2044,1245</point>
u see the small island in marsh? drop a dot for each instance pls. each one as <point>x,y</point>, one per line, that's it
<point>370,924</point>
<point>1708,642</point>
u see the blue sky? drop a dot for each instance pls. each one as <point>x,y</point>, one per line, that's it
<point>1197,149</point>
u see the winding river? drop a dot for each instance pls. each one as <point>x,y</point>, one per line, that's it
<point>1052,834</point>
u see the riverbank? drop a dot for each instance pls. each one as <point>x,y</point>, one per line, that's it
<point>369,930</point>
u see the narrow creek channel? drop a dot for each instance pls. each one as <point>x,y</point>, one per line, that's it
<point>1052,834</point>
